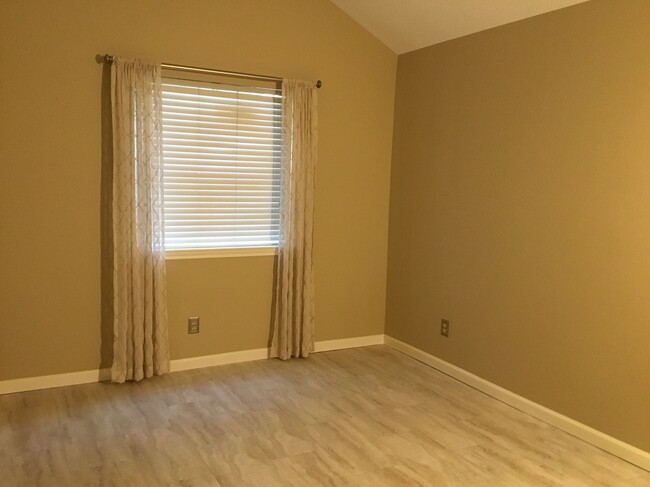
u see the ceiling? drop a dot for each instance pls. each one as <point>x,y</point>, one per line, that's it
<point>406,25</point>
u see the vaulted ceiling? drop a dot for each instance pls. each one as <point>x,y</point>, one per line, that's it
<point>406,25</point>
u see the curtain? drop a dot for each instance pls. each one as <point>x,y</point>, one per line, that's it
<point>140,343</point>
<point>293,303</point>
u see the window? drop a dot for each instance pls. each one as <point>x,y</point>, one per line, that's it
<point>222,156</point>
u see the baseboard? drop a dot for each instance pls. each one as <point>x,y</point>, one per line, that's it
<point>355,342</point>
<point>49,381</point>
<point>89,376</point>
<point>219,359</point>
<point>597,438</point>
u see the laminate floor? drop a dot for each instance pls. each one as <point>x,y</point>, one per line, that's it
<point>362,417</point>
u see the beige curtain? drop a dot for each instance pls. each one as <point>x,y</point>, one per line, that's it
<point>293,320</point>
<point>140,344</point>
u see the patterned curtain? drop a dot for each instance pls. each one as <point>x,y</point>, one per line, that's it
<point>140,343</point>
<point>293,321</point>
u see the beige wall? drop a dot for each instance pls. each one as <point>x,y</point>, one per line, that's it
<point>520,210</point>
<point>50,158</point>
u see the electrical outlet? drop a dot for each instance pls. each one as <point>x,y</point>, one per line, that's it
<point>444,327</point>
<point>193,325</point>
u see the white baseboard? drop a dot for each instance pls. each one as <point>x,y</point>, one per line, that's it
<point>89,376</point>
<point>355,342</point>
<point>608,443</point>
<point>218,359</point>
<point>49,381</point>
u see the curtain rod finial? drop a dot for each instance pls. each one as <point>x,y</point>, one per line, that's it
<point>319,83</point>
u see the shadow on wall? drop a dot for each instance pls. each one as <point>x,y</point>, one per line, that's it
<point>276,264</point>
<point>106,207</point>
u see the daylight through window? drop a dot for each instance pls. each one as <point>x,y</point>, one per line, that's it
<point>222,159</point>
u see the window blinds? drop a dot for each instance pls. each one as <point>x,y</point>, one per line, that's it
<point>222,156</point>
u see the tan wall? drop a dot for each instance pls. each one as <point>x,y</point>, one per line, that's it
<point>50,158</point>
<point>520,210</point>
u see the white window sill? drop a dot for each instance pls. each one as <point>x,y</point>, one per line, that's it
<point>219,253</point>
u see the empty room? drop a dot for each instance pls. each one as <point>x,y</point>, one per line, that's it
<point>325,243</point>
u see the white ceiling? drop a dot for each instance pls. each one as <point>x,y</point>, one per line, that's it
<point>406,25</point>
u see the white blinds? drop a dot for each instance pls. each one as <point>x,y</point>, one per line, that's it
<point>222,154</point>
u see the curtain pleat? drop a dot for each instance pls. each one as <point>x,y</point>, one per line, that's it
<point>293,320</point>
<point>140,342</point>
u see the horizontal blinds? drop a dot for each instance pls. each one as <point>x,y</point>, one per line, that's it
<point>222,153</point>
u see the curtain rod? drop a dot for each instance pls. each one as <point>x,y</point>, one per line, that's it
<point>108,59</point>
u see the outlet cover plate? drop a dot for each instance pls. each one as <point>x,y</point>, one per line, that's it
<point>193,325</point>
<point>444,327</point>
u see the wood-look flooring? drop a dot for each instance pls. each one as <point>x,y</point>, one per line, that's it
<point>362,417</point>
